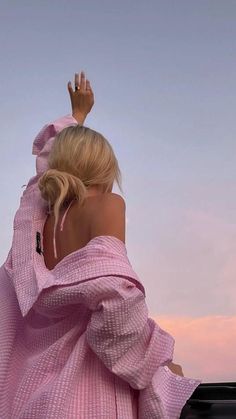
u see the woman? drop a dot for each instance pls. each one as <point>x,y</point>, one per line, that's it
<point>83,165</point>
<point>76,340</point>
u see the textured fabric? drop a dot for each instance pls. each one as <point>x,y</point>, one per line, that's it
<point>76,341</point>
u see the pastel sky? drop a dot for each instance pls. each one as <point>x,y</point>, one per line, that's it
<point>163,75</point>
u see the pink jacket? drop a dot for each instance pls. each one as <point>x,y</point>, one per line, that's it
<point>76,341</point>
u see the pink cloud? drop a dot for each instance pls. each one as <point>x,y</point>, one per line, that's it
<point>204,346</point>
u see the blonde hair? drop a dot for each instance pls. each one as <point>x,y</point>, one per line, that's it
<point>79,157</point>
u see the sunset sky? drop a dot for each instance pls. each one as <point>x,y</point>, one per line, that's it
<point>163,75</point>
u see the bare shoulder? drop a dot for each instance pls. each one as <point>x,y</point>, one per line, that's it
<point>109,201</point>
<point>112,198</point>
<point>109,216</point>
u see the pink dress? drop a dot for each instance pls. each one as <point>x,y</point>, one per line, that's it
<point>76,341</point>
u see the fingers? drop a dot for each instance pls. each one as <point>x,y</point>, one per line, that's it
<point>88,86</point>
<point>77,81</point>
<point>82,81</point>
<point>69,88</point>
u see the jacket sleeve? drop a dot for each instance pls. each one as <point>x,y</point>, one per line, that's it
<point>43,143</point>
<point>133,346</point>
<point>44,139</point>
<point>127,341</point>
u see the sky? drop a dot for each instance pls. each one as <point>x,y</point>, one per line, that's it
<point>163,76</point>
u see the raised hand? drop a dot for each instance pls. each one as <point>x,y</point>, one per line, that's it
<point>82,99</point>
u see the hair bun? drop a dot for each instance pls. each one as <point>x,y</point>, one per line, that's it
<point>54,183</point>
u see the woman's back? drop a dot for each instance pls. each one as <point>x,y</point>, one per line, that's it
<point>101,214</point>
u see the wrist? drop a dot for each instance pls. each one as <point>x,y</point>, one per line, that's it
<point>80,117</point>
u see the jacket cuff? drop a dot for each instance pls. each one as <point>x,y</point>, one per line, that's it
<point>43,142</point>
<point>168,392</point>
<point>50,130</point>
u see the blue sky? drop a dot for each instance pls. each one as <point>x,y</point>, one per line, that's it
<point>163,75</point>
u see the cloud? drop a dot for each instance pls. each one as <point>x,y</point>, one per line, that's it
<point>204,346</point>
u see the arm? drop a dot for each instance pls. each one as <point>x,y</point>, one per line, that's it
<point>133,347</point>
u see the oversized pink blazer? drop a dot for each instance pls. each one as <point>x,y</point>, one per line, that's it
<point>76,341</point>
